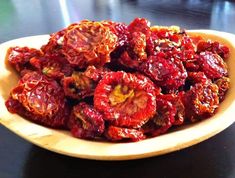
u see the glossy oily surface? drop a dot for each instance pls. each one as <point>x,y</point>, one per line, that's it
<point>62,142</point>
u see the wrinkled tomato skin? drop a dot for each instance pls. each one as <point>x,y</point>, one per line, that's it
<point>201,101</point>
<point>164,73</point>
<point>88,43</point>
<point>214,47</point>
<point>122,117</point>
<point>42,100</point>
<point>212,65</point>
<point>223,85</point>
<point>55,67</point>
<point>19,57</point>
<point>114,133</point>
<point>86,122</point>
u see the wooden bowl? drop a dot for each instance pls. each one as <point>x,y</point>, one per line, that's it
<point>62,142</point>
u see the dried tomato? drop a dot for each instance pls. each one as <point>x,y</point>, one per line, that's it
<point>86,122</point>
<point>114,133</point>
<point>125,99</point>
<point>88,43</point>
<point>212,65</point>
<point>139,80</point>
<point>78,86</point>
<point>195,77</point>
<point>214,47</point>
<point>201,101</point>
<point>120,30</point>
<point>19,57</point>
<point>140,25</point>
<point>96,74</point>
<point>177,103</point>
<point>55,67</point>
<point>54,46</point>
<point>165,73</point>
<point>163,119</point>
<point>41,98</point>
<point>223,85</point>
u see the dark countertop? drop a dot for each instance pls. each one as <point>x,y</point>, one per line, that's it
<point>214,158</point>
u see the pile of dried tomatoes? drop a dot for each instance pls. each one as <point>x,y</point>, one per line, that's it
<point>111,81</point>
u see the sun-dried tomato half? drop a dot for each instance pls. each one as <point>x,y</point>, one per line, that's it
<point>165,73</point>
<point>88,43</point>
<point>94,73</point>
<point>212,65</point>
<point>177,103</point>
<point>114,133</point>
<point>140,25</point>
<point>42,99</point>
<point>201,101</point>
<point>78,86</point>
<point>54,46</point>
<point>195,77</point>
<point>19,57</point>
<point>55,67</point>
<point>125,99</point>
<point>120,30</point>
<point>214,47</point>
<point>223,85</point>
<point>163,119</point>
<point>86,122</point>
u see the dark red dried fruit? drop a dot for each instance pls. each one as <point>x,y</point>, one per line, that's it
<point>223,85</point>
<point>55,67</point>
<point>86,122</point>
<point>165,73</point>
<point>214,47</point>
<point>120,30</point>
<point>78,86</point>
<point>177,103</point>
<point>94,73</point>
<point>125,99</point>
<point>88,43</point>
<point>140,25</point>
<point>114,133</point>
<point>163,119</point>
<point>54,46</point>
<point>19,57</point>
<point>42,100</point>
<point>212,65</point>
<point>195,77</point>
<point>201,101</point>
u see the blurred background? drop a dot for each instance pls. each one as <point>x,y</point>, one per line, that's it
<point>23,18</point>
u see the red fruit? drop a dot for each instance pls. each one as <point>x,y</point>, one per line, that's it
<point>86,122</point>
<point>120,30</point>
<point>88,43</point>
<point>201,101</point>
<point>125,99</point>
<point>55,67</point>
<point>41,99</point>
<point>177,103</point>
<point>212,65</point>
<point>223,85</point>
<point>54,46</point>
<point>114,133</point>
<point>140,25</point>
<point>215,47</point>
<point>195,77</point>
<point>78,86</point>
<point>19,57</point>
<point>165,73</point>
